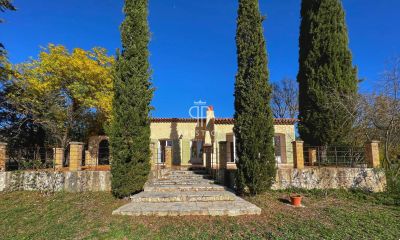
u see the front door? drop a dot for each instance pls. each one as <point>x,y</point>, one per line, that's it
<point>208,156</point>
<point>165,152</point>
<point>196,152</point>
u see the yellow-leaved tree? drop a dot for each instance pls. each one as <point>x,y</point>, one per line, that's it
<point>69,94</point>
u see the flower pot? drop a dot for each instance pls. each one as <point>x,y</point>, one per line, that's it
<point>296,200</point>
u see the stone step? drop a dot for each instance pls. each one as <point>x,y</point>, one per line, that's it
<point>182,188</point>
<point>182,172</point>
<point>207,196</point>
<point>184,177</point>
<point>190,168</point>
<point>180,182</point>
<point>217,208</point>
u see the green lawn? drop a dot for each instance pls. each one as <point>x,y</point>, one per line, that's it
<point>337,215</point>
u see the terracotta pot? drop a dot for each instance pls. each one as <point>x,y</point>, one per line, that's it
<point>296,200</point>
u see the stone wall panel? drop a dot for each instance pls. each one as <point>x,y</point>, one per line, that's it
<point>369,179</point>
<point>93,181</point>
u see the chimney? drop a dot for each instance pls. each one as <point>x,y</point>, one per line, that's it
<point>209,126</point>
<point>210,115</point>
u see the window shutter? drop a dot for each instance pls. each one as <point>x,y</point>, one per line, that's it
<point>185,149</point>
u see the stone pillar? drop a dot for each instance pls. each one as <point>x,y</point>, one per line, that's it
<point>88,159</point>
<point>312,156</point>
<point>3,156</point>
<point>207,156</point>
<point>168,156</point>
<point>204,157</point>
<point>298,155</point>
<point>214,156</point>
<point>222,155</point>
<point>153,149</point>
<point>372,154</point>
<point>75,156</point>
<point>58,158</point>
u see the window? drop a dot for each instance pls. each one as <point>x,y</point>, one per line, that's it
<point>232,153</point>
<point>280,148</point>
<point>161,150</point>
<point>104,153</point>
<point>196,150</point>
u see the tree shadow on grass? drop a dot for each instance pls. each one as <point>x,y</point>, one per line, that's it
<point>284,200</point>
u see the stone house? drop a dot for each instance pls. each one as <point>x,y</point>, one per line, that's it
<point>206,142</point>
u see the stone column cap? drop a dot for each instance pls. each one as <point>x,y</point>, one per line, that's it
<point>374,141</point>
<point>298,141</point>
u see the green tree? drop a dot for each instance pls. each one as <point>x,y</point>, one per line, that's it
<point>61,91</point>
<point>6,5</point>
<point>253,128</point>
<point>325,68</point>
<point>5,66</point>
<point>130,128</point>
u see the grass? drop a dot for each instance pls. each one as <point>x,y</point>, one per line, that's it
<point>328,215</point>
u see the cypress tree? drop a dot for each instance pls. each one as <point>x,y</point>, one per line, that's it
<point>130,128</point>
<point>326,72</point>
<point>254,130</point>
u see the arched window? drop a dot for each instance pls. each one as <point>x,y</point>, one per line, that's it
<point>104,153</point>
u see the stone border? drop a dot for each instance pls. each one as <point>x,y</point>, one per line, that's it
<point>369,179</point>
<point>81,181</point>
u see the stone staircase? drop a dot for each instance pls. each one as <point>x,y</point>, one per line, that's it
<point>183,192</point>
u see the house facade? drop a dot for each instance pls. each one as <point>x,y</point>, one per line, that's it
<point>209,141</point>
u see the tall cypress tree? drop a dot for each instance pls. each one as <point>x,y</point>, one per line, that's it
<point>254,130</point>
<point>326,72</point>
<point>130,128</point>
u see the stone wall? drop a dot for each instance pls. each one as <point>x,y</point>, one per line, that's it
<point>56,181</point>
<point>368,179</point>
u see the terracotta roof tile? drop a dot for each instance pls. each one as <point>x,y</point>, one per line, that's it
<point>182,120</point>
<point>221,121</point>
<point>277,121</point>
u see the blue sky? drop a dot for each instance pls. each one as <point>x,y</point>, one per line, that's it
<point>193,52</point>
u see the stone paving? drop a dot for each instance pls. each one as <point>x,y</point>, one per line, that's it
<point>180,193</point>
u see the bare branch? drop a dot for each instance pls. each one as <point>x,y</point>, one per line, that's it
<point>284,101</point>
